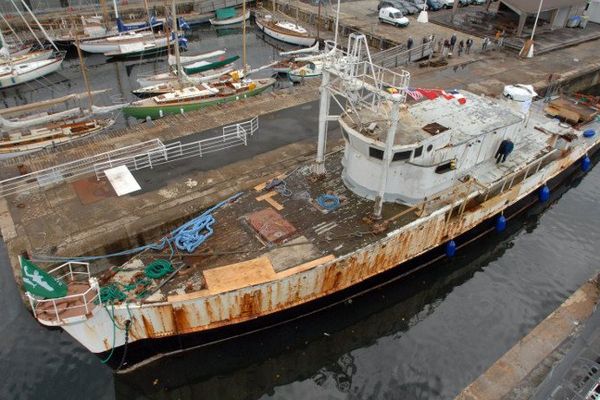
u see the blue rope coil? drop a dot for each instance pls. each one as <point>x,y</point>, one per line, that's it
<point>328,201</point>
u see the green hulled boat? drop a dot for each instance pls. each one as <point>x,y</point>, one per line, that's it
<point>196,97</point>
<point>203,65</point>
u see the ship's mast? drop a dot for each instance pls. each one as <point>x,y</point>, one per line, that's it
<point>176,45</point>
<point>353,77</point>
<point>244,63</point>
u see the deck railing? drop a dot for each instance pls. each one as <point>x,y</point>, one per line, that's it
<point>71,170</point>
<point>76,305</point>
<point>232,136</point>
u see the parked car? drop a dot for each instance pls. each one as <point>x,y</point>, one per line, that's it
<point>420,4</point>
<point>410,7</point>
<point>450,3</point>
<point>478,2</point>
<point>434,5</point>
<point>397,4</point>
<point>391,15</point>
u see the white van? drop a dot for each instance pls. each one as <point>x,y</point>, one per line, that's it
<point>392,16</point>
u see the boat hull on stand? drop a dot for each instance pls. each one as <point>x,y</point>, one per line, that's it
<point>282,36</point>
<point>12,76</point>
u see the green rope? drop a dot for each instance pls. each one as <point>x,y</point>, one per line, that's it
<point>158,268</point>
<point>114,334</point>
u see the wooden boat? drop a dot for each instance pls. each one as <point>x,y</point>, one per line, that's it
<point>311,69</point>
<point>12,75</point>
<point>150,46</point>
<point>228,16</point>
<point>171,83</point>
<point>206,65</point>
<point>29,140</point>
<point>112,43</point>
<point>285,31</point>
<point>287,65</point>
<point>196,97</point>
<point>171,76</point>
<point>37,55</point>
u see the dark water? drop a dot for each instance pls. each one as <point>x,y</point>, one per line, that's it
<point>425,337</point>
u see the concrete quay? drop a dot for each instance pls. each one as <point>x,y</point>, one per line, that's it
<point>520,372</point>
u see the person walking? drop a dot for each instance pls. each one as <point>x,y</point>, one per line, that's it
<point>506,147</point>
<point>461,47</point>
<point>452,41</point>
<point>409,43</point>
<point>469,44</point>
<point>440,44</point>
<point>446,50</point>
<point>484,45</point>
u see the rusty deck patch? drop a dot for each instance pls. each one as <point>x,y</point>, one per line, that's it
<point>270,225</point>
<point>90,190</point>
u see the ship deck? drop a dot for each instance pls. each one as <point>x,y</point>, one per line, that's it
<point>289,229</point>
<point>266,234</point>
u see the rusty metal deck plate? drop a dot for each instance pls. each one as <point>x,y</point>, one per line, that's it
<point>90,190</point>
<point>270,225</point>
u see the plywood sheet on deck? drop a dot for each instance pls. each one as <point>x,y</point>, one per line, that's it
<point>235,276</point>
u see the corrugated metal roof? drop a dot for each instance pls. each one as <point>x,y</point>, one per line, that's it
<point>531,6</point>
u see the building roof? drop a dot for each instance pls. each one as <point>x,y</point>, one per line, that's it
<point>531,6</point>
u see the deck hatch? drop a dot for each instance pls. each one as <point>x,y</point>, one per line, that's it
<point>434,128</point>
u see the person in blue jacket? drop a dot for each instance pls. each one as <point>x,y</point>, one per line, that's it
<point>506,147</point>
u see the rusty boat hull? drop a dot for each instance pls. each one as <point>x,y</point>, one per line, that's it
<point>140,352</point>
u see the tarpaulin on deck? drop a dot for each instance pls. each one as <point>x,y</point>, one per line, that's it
<point>225,13</point>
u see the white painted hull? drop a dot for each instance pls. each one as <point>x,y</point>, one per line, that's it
<point>202,311</point>
<point>230,21</point>
<point>45,67</point>
<point>101,46</point>
<point>291,39</point>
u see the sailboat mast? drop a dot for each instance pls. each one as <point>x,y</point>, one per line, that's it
<point>3,44</point>
<point>148,13</point>
<point>167,32</point>
<point>39,25</point>
<point>176,45</point>
<point>116,9</point>
<point>27,24</point>
<point>105,17</point>
<point>244,36</point>
<point>11,29</point>
<point>83,69</point>
<point>319,21</point>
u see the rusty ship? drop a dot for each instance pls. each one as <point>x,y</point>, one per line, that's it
<point>421,174</point>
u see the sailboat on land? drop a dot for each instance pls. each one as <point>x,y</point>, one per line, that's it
<point>22,71</point>
<point>228,16</point>
<point>195,95</point>
<point>32,127</point>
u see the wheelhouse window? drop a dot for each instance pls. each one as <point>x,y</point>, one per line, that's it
<point>418,152</point>
<point>376,153</point>
<point>402,155</point>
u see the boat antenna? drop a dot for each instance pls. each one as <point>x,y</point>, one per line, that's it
<point>244,36</point>
<point>27,24</point>
<point>176,45</point>
<point>39,25</point>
